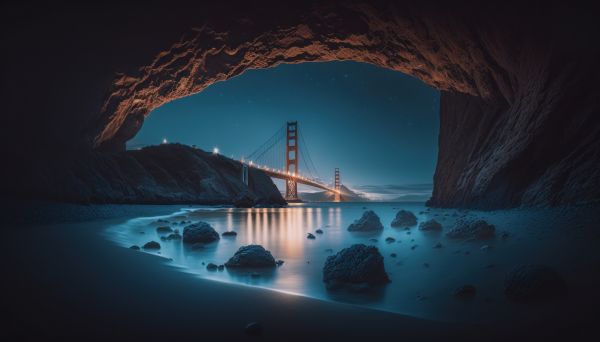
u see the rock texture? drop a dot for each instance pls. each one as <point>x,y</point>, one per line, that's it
<point>471,230</point>
<point>200,232</point>
<point>357,264</point>
<point>519,110</point>
<point>430,225</point>
<point>368,222</point>
<point>404,218</point>
<point>251,256</point>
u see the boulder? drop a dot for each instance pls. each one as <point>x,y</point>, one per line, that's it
<point>251,256</point>
<point>310,236</point>
<point>200,232</point>
<point>211,267</point>
<point>430,225</point>
<point>404,218</point>
<point>472,230</point>
<point>164,230</point>
<point>528,283</point>
<point>229,233</point>
<point>135,247</point>
<point>174,236</point>
<point>152,245</point>
<point>369,222</point>
<point>244,200</point>
<point>355,265</point>
<point>389,239</point>
<point>319,231</point>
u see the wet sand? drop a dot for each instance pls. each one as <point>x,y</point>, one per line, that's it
<point>65,281</point>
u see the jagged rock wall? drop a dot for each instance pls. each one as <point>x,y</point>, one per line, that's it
<point>519,110</point>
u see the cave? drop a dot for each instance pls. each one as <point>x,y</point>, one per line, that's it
<point>176,242</point>
<point>513,92</point>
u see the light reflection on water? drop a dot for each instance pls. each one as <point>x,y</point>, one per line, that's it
<point>416,289</point>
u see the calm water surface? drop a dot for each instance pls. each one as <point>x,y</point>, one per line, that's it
<point>423,278</point>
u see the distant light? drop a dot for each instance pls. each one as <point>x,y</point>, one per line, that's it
<point>215,150</point>
<point>164,141</point>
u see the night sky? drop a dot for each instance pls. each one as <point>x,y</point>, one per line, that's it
<point>378,126</point>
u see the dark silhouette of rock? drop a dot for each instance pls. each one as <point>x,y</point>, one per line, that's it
<point>244,200</point>
<point>369,222</point>
<point>404,218</point>
<point>279,262</point>
<point>211,267</point>
<point>389,239</point>
<point>430,225</point>
<point>357,264</point>
<point>173,236</point>
<point>253,329</point>
<point>164,230</point>
<point>529,283</point>
<point>310,236</point>
<point>471,230</point>
<point>393,255</point>
<point>465,292</point>
<point>221,267</point>
<point>319,231</point>
<point>229,233</point>
<point>200,232</point>
<point>251,256</point>
<point>135,247</point>
<point>151,245</point>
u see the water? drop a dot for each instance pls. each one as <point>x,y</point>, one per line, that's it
<point>423,278</point>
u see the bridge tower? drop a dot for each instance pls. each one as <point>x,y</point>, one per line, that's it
<point>337,185</point>
<point>291,160</point>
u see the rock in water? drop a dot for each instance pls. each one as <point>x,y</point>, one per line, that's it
<point>319,231</point>
<point>211,267</point>
<point>310,236</point>
<point>465,292</point>
<point>251,256</point>
<point>530,283</point>
<point>229,233</point>
<point>152,245</point>
<point>369,222</point>
<point>200,232</point>
<point>164,230</point>
<point>430,225</point>
<point>404,218</point>
<point>472,230</point>
<point>135,247</point>
<point>244,200</point>
<point>355,265</point>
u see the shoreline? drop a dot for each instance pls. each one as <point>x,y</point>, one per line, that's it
<point>77,282</point>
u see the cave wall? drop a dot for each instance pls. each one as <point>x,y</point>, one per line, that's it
<point>519,110</point>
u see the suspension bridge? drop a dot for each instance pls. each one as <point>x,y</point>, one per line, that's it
<point>281,156</point>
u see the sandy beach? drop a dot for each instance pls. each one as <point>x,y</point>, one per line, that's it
<point>65,281</point>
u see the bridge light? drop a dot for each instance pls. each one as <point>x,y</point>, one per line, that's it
<point>251,162</point>
<point>215,150</point>
<point>164,141</point>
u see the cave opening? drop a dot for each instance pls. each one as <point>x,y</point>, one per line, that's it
<point>379,126</point>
